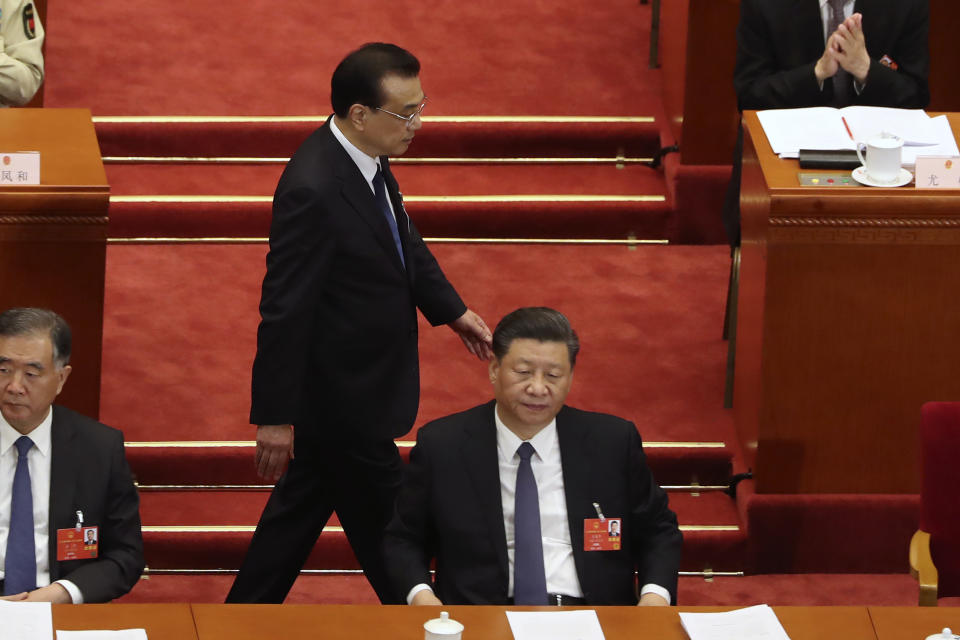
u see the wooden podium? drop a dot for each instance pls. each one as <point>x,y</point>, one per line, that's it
<point>53,236</point>
<point>849,319</point>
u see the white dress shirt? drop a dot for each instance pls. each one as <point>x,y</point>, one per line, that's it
<point>558,563</point>
<point>547,470</point>
<point>39,462</point>
<point>368,165</point>
<point>826,13</point>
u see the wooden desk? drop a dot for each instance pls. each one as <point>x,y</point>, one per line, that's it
<point>343,622</point>
<point>53,236</point>
<point>847,318</point>
<point>913,623</point>
<point>161,621</point>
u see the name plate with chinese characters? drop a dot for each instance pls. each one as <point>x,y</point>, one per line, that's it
<point>21,168</point>
<point>938,172</point>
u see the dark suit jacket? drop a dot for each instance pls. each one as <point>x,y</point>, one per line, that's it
<point>449,509</point>
<point>337,344</point>
<point>779,43</point>
<point>89,473</point>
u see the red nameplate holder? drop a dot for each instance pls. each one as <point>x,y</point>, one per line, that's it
<point>601,534</point>
<point>78,543</point>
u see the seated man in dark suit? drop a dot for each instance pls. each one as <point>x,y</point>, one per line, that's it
<point>513,498</point>
<point>810,53</point>
<point>68,471</point>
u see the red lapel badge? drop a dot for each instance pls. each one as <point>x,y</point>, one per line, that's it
<point>887,61</point>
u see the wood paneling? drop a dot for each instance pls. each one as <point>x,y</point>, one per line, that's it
<point>53,236</point>
<point>847,324</point>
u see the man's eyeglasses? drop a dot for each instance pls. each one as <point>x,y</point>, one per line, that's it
<point>407,119</point>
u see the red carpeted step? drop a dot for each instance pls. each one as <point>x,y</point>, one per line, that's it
<point>194,548</point>
<point>211,530</point>
<point>895,589</point>
<point>308,589</point>
<point>180,327</point>
<point>486,201</point>
<point>820,589</point>
<point>416,181</point>
<point>473,137</point>
<point>242,508</point>
<point>850,533</point>
<point>549,217</point>
<point>206,463</point>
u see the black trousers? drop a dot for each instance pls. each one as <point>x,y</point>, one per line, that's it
<point>358,480</point>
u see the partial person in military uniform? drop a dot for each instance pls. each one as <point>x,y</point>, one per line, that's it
<point>21,54</point>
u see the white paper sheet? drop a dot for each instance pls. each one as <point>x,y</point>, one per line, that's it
<point>821,128</point>
<point>120,634</point>
<point>555,625</point>
<point>752,623</point>
<point>25,621</point>
<point>946,147</point>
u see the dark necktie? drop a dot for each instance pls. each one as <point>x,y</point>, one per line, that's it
<point>380,192</point>
<point>841,80</point>
<point>20,564</point>
<point>529,577</point>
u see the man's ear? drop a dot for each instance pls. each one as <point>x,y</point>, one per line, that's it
<point>494,369</point>
<point>357,116</point>
<point>63,373</point>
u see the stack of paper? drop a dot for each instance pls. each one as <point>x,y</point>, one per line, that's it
<point>823,128</point>
<point>26,620</point>
<point>119,634</point>
<point>582,624</point>
<point>752,623</point>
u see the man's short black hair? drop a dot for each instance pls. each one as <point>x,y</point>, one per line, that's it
<point>536,323</point>
<point>358,77</point>
<point>21,321</point>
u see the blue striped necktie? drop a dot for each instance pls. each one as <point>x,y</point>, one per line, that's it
<point>20,564</point>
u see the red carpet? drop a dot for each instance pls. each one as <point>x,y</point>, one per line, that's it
<point>180,319</point>
<point>795,590</point>
<point>180,326</point>
<point>265,58</point>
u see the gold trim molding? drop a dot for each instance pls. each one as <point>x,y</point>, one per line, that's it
<point>213,444</point>
<point>426,119</point>
<point>235,160</point>
<point>865,222</point>
<point>336,529</point>
<point>577,198</point>
<point>92,220</point>
<point>628,242</point>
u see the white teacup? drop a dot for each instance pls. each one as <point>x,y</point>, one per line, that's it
<point>883,158</point>
<point>442,628</point>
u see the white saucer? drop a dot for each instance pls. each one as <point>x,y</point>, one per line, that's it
<point>860,175</point>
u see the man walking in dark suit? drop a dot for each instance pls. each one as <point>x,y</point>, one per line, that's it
<point>336,376</point>
<point>808,53</point>
<point>69,512</point>
<point>514,498</point>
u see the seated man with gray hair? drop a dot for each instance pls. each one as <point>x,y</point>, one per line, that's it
<point>515,498</point>
<point>69,511</point>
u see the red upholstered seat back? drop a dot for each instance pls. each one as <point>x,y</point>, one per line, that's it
<point>940,490</point>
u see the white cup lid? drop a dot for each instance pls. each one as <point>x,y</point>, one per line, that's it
<point>443,625</point>
<point>881,142</point>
